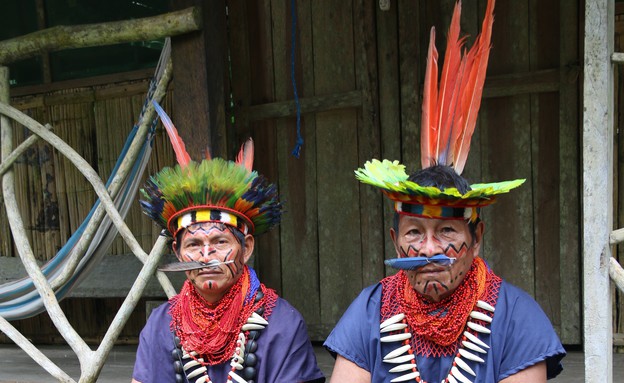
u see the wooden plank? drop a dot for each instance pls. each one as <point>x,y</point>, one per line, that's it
<point>509,243</point>
<point>240,63</point>
<point>336,134</point>
<point>140,74</point>
<point>299,230</point>
<point>411,71</point>
<point>569,183</point>
<point>288,108</point>
<point>597,202</point>
<point>535,81</point>
<point>389,104</point>
<point>618,179</point>
<point>199,68</point>
<point>267,260</point>
<point>369,75</point>
<point>544,53</point>
<point>543,81</point>
<point>617,186</point>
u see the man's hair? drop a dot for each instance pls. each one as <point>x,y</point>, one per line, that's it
<point>441,177</point>
<point>240,237</point>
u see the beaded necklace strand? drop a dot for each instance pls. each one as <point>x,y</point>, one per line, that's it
<point>244,359</point>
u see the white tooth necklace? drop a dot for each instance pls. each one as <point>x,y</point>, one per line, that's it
<point>470,348</point>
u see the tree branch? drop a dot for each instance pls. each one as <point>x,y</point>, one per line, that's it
<point>90,35</point>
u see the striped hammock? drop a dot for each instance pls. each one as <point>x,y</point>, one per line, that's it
<point>19,299</point>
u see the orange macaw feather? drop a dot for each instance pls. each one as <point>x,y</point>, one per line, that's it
<point>471,96</point>
<point>449,88</point>
<point>429,106</point>
<point>449,113</point>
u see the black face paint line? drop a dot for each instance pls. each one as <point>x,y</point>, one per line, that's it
<point>410,252</point>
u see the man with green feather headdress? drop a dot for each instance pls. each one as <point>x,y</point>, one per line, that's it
<point>445,316</point>
<point>224,325</point>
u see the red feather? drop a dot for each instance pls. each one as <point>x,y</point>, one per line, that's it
<point>450,113</point>
<point>449,87</point>
<point>429,106</point>
<point>472,92</point>
<point>178,145</point>
<point>246,155</point>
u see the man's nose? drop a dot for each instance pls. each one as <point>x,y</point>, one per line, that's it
<point>207,250</point>
<point>430,247</point>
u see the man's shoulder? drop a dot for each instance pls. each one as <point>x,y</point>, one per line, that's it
<point>283,309</point>
<point>513,292</point>
<point>160,313</point>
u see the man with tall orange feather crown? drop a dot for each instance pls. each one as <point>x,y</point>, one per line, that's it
<point>224,325</point>
<point>445,316</point>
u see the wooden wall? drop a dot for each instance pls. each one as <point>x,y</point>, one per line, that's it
<point>359,74</point>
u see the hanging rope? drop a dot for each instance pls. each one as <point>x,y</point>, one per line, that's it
<point>296,152</point>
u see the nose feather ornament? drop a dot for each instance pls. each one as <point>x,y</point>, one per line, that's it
<point>413,263</point>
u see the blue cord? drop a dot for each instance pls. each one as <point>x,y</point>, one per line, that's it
<point>296,151</point>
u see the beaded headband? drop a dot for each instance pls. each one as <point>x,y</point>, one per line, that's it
<point>449,116</point>
<point>213,190</point>
<point>211,214</point>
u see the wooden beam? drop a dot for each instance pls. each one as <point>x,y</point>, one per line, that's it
<point>542,81</point>
<point>139,74</point>
<point>616,273</point>
<point>200,67</point>
<point>539,81</point>
<point>616,236</point>
<point>617,57</point>
<point>90,35</point>
<point>597,190</point>
<point>308,105</point>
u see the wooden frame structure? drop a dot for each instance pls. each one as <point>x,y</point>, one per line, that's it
<point>599,266</point>
<point>91,361</point>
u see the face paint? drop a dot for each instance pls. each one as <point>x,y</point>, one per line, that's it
<point>424,237</point>
<point>212,241</point>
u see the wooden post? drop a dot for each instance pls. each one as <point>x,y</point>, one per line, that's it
<point>199,73</point>
<point>597,189</point>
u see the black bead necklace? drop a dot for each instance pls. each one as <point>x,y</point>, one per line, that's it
<point>188,365</point>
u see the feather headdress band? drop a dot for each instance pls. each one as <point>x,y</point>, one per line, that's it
<point>449,115</point>
<point>211,190</point>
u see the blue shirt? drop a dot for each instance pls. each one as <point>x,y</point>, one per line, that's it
<point>284,352</point>
<point>521,336</point>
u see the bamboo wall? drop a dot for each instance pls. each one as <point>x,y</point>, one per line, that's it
<point>54,197</point>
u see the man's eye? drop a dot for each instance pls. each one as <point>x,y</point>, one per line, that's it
<point>221,243</point>
<point>448,229</point>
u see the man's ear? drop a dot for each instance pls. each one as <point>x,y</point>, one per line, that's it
<point>249,247</point>
<point>393,236</point>
<point>478,240</point>
<point>174,247</point>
